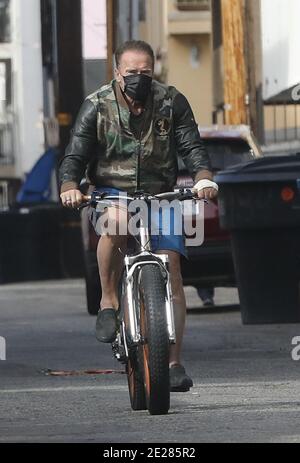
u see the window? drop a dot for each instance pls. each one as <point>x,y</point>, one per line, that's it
<point>5,34</point>
<point>193,4</point>
<point>6,123</point>
<point>5,81</point>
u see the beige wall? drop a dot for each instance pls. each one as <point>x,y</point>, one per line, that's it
<point>194,82</point>
<point>154,29</point>
<point>193,79</point>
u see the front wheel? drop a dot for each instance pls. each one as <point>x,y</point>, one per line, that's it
<point>154,349</point>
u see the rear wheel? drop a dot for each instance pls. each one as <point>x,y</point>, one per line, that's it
<point>135,382</point>
<point>134,368</point>
<point>154,350</point>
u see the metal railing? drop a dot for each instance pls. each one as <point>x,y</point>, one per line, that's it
<point>192,4</point>
<point>282,122</point>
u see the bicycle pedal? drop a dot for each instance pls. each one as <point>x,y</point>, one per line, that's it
<point>119,352</point>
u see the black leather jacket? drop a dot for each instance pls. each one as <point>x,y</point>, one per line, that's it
<point>89,151</point>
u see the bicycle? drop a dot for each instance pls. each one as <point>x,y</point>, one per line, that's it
<point>146,315</point>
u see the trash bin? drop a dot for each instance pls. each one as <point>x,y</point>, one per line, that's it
<point>72,261</point>
<point>30,244</point>
<point>259,202</point>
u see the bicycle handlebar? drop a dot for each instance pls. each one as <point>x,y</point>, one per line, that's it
<point>181,195</point>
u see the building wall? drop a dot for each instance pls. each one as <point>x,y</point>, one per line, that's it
<point>94,44</point>
<point>192,75</point>
<point>281,38</point>
<point>184,40</point>
<point>180,31</point>
<point>281,67</point>
<point>28,83</point>
<point>27,86</point>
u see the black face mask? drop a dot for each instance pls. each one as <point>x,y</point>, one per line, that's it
<point>138,86</point>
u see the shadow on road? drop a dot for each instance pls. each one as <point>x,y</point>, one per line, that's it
<point>214,309</point>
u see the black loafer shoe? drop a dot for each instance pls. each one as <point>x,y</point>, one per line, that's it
<point>107,325</point>
<point>179,380</point>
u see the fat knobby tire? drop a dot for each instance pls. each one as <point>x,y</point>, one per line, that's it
<point>135,382</point>
<point>154,354</point>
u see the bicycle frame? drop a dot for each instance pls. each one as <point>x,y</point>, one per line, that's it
<point>132,268</point>
<point>146,315</point>
<point>133,264</point>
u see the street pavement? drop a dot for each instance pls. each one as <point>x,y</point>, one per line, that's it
<point>246,385</point>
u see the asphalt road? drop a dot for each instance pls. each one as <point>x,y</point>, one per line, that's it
<point>247,387</point>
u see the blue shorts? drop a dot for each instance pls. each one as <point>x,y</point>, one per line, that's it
<point>166,231</point>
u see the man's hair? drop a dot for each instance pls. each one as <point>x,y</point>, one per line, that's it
<point>134,45</point>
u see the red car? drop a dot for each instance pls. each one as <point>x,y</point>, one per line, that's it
<point>208,265</point>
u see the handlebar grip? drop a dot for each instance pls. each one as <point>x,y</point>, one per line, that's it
<point>85,202</point>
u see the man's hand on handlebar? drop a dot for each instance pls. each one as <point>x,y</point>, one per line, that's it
<point>72,198</point>
<point>206,189</point>
<point>207,193</point>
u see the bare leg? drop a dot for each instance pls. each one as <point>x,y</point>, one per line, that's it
<point>110,260</point>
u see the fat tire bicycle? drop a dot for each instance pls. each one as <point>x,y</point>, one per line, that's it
<point>146,317</point>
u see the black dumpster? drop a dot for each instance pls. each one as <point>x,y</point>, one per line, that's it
<point>259,203</point>
<point>30,243</point>
<point>40,242</point>
<point>72,261</point>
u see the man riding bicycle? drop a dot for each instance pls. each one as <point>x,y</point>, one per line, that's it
<point>126,138</point>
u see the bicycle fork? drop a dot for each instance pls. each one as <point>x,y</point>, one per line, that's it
<point>133,266</point>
